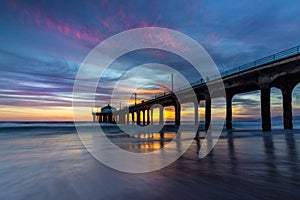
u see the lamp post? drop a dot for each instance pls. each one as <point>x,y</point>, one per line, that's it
<point>134,98</point>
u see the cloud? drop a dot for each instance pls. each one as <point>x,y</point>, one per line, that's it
<point>44,15</point>
<point>35,82</point>
<point>43,42</point>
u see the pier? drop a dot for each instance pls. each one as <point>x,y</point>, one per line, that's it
<point>280,70</point>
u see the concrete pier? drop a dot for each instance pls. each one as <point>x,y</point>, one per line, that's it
<point>207,112</point>
<point>138,118</point>
<point>229,111</point>
<point>196,113</point>
<point>177,113</point>
<point>161,115</point>
<point>265,107</point>
<point>287,108</point>
<point>280,70</point>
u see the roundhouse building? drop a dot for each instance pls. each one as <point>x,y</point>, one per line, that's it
<point>106,114</point>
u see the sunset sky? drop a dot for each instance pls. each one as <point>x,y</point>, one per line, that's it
<point>43,43</point>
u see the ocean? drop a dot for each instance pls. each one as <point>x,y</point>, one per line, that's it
<point>46,160</point>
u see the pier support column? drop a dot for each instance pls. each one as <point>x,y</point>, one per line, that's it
<point>121,118</point>
<point>144,121</point>
<point>287,108</point>
<point>151,119</point>
<point>127,119</point>
<point>196,113</point>
<point>207,112</point>
<point>148,117</point>
<point>228,111</point>
<point>109,118</point>
<point>132,117</point>
<point>177,113</point>
<point>161,115</point>
<point>138,117</point>
<point>265,107</point>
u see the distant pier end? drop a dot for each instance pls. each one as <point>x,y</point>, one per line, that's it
<point>106,115</point>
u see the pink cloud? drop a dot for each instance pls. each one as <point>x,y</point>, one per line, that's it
<point>79,32</point>
<point>50,23</point>
<point>119,21</point>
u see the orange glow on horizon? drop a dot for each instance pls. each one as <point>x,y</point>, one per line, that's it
<point>56,113</point>
<point>14,113</point>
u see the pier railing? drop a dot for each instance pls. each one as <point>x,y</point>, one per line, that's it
<point>262,61</point>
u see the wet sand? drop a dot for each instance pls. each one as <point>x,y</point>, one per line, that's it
<point>53,164</point>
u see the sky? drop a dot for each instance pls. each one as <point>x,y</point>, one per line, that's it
<point>43,43</point>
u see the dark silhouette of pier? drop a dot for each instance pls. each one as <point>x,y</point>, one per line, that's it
<point>280,70</point>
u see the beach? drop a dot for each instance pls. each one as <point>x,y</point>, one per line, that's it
<point>48,161</point>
